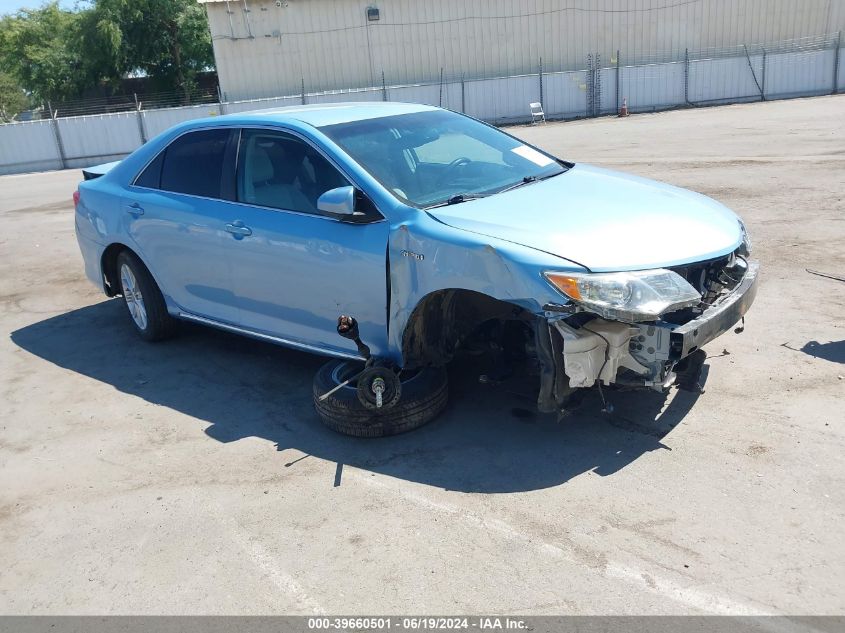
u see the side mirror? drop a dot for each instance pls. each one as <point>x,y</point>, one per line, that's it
<point>339,201</point>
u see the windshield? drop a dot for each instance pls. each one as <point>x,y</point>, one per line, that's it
<point>434,157</point>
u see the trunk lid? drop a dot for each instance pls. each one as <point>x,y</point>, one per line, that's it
<point>90,173</point>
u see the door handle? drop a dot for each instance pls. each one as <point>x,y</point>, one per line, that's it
<point>135,209</point>
<point>238,229</point>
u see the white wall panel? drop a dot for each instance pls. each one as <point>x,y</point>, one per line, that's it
<point>428,94</point>
<point>565,94</point>
<point>502,99</point>
<point>374,94</point>
<point>157,121</point>
<point>116,136</point>
<point>789,74</point>
<point>261,104</point>
<point>29,146</point>
<point>652,87</point>
<point>841,71</point>
<point>724,79</point>
<point>454,96</point>
<point>608,78</point>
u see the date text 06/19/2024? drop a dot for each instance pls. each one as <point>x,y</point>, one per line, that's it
<point>430,623</point>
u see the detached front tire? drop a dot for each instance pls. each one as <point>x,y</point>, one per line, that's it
<point>143,299</point>
<point>425,393</point>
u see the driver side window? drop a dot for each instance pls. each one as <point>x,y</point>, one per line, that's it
<point>281,171</point>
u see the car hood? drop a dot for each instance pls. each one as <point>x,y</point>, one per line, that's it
<point>603,220</point>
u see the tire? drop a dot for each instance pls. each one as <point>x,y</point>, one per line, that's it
<point>143,299</point>
<point>424,396</point>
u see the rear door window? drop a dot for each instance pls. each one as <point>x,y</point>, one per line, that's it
<point>151,176</point>
<point>194,163</point>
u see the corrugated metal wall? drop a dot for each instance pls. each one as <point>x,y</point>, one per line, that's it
<point>265,48</point>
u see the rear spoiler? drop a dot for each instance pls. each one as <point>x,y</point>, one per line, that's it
<point>89,173</point>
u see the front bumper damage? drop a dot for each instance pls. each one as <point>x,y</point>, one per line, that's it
<point>718,318</point>
<point>576,354</point>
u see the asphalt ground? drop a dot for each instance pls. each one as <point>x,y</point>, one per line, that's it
<point>193,476</point>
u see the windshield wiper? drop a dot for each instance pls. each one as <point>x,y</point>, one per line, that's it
<point>463,197</point>
<point>458,198</point>
<point>527,180</point>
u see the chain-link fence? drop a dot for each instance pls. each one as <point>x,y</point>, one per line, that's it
<point>789,68</point>
<point>123,103</point>
<point>649,81</point>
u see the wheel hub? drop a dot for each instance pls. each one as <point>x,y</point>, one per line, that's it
<point>379,388</point>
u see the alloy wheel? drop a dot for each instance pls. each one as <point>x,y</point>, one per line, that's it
<point>133,296</point>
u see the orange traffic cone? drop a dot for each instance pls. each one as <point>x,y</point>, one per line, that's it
<point>623,111</point>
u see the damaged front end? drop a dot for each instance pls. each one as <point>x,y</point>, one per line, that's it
<point>638,329</point>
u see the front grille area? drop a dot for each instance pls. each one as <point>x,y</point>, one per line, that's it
<point>711,278</point>
<point>703,275</point>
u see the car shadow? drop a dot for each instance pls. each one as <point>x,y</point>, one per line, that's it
<point>488,440</point>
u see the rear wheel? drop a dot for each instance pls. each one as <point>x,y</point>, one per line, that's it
<point>143,299</point>
<point>424,395</point>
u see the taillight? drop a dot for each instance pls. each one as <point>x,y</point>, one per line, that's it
<point>76,198</point>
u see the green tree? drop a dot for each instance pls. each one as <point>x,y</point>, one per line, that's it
<point>167,40</point>
<point>56,55</point>
<point>12,98</point>
<point>40,49</point>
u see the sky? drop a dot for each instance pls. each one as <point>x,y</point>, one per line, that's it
<point>10,6</point>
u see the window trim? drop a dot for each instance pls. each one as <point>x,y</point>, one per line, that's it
<point>133,182</point>
<point>343,172</point>
<point>229,186</point>
<point>379,215</point>
<point>225,162</point>
<point>159,154</point>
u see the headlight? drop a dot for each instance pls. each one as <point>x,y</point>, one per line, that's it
<point>630,296</point>
<point>745,247</point>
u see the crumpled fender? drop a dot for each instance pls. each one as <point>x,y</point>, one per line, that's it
<point>427,256</point>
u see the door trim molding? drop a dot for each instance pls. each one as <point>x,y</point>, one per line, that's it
<point>268,337</point>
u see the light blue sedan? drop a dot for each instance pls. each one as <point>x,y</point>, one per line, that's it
<point>393,236</point>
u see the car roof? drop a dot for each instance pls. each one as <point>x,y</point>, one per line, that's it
<point>319,115</point>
